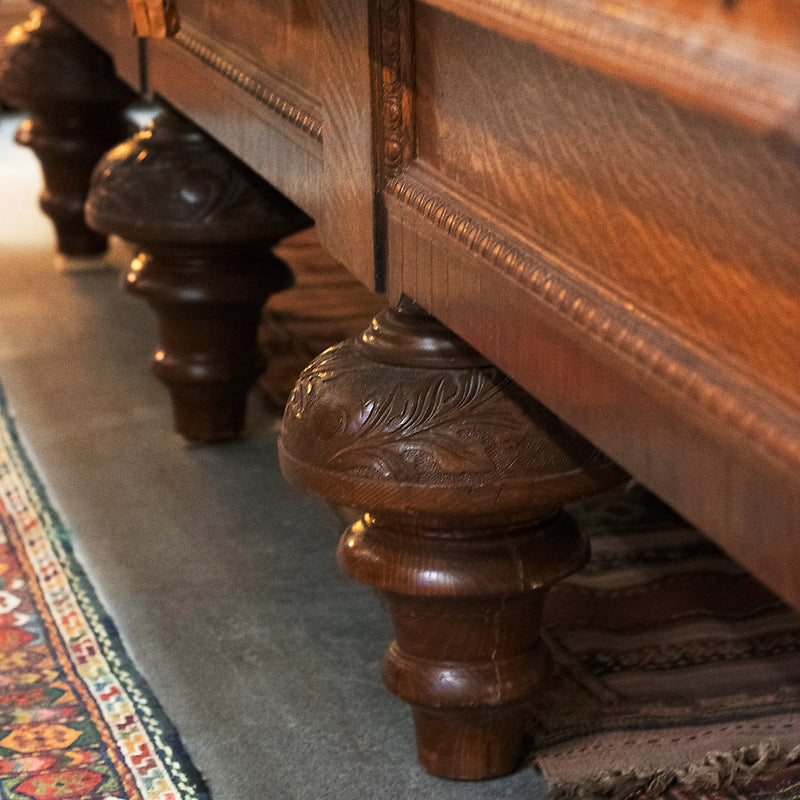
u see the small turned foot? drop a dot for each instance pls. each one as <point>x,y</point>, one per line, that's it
<point>205,225</point>
<point>463,476</point>
<point>466,613</point>
<point>75,100</point>
<point>208,300</point>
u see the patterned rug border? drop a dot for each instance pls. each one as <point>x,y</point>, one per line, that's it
<point>177,766</point>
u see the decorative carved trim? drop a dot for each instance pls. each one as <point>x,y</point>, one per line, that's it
<point>368,416</point>
<point>299,117</point>
<point>395,95</point>
<point>673,368</point>
<point>390,434</point>
<point>204,223</point>
<point>462,475</point>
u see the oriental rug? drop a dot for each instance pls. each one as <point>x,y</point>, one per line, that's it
<point>76,719</point>
<point>677,673</point>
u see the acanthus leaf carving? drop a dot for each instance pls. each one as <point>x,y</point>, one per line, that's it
<point>436,423</point>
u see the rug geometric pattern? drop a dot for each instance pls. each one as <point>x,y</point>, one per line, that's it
<point>77,722</point>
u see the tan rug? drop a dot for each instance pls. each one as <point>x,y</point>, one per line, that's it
<point>677,674</point>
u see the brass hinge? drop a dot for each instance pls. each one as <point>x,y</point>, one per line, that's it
<point>154,18</point>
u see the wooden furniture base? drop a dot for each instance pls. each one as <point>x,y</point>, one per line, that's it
<point>69,86</point>
<point>603,199</point>
<point>463,476</point>
<point>205,225</point>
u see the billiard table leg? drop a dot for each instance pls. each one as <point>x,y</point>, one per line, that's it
<point>462,476</point>
<point>205,225</point>
<point>76,105</point>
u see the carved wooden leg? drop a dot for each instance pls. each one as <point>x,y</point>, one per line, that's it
<point>205,225</point>
<point>76,101</point>
<point>463,476</point>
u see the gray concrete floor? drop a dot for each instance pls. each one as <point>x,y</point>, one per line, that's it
<point>221,577</point>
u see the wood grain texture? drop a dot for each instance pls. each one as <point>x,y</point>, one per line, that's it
<point>737,59</point>
<point>721,448</point>
<point>281,34</point>
<point>262,120</point>
<point>205,224</point>
<point>324,305</point>
<point>463,476</point>
<point>347,224</point>
<point>691,220</point>
<point>266,91</point>
<point>108,23</point>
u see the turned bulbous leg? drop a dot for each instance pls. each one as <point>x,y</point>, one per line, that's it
<point>75,102</point>
<point>205,225</point>
<point>463,476</point>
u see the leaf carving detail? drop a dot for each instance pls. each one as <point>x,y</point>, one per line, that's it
<point>447,426</point>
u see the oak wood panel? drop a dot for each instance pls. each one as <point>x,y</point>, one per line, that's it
<point>287,56</point>
<point>347,225</point>
<point>691,220</point>
<point>269,125</point>
<point>280,34</point>
<point>108,23</point>
<point>716,445</point>
<point>737,58</point>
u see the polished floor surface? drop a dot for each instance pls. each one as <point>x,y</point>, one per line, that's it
<point>220,576</point>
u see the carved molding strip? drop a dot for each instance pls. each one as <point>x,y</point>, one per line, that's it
<point>396,98</point>
<point>300,118</point>
<point>558,292</point>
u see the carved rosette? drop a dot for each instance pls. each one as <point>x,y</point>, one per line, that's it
<point>463,476</point>
<point>75,101</point>
<point>205,225</point>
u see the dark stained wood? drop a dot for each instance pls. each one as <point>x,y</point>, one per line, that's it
<point>273,125</point>
<point>68,84</point>
<point>205,224</point>
<point>12,13</point>
<point>324,305</point>
<point>603,199</point>
<point>463,476</point>
<point>108,23</point>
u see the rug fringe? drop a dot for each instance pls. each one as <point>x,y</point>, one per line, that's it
<point>737,767</point>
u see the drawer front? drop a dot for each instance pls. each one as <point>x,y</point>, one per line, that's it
<point>737,58</point>
<point>675,210</point>
<point>629,258</point>
<point>246,72</point>
<point>281,35</point>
